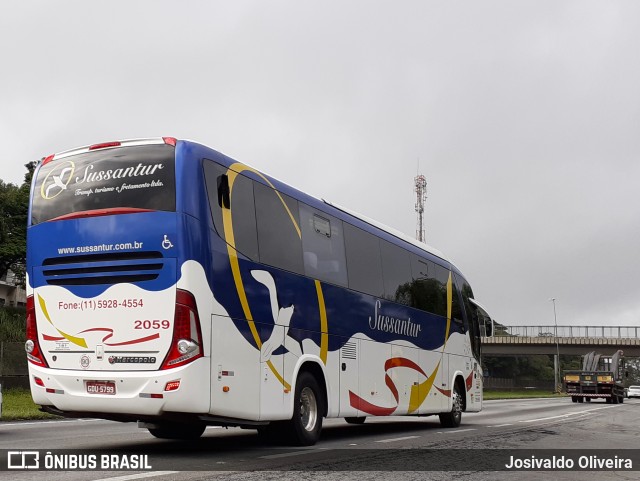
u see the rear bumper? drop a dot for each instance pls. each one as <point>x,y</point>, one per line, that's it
<point>576,394</point>
<point>66,392</point>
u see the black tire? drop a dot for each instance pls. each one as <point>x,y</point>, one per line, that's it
<point>587,399</point>
<point>351,420</point>
<point>178,431</point>
<point>452,419</point>
<point>621,399</point>
<point>574,399</point>
<point>265,431</point>
<point>306,423</point>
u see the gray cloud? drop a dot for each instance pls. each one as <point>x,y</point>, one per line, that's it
<point>523,116</point>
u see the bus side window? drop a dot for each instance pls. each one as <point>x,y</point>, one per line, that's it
<point>456,308</point>
<point>279,239</point>
<point>242,207</point>
<point>363,261</point>
<point>420,268</point>
<point>429,286</point>
<point>472,319</point>
<point>396,271</point>
<point>323,246</point>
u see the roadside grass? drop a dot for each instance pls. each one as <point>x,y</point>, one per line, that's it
<point>12,325</point>
<point>18,405</point>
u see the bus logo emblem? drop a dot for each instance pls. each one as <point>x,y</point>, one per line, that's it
<point>57,180</point>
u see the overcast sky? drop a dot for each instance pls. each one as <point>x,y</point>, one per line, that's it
<point>524,117</point>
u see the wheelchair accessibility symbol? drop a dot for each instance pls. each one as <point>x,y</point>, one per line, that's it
<point>166,243</point>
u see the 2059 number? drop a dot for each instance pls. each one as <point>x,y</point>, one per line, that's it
<point>155,324</point>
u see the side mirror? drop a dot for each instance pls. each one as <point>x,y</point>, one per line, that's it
<point>224,193</point>
<point>485,323</point>
<point>488,327</point>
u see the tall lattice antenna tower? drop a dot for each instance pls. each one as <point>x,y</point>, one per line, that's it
<point>420,188</point>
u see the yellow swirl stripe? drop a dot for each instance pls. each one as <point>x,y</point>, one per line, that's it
<point>227,222</point>
<point>419,393</point>
<point>324,328</point>
<point>449,309</point>
<point>78,341</point>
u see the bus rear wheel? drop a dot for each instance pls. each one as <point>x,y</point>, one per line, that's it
<point>306,422</point>
<point>452,419</point>
<point>177,431</point>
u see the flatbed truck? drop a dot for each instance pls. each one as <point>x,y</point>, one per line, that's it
<point>601,377</point>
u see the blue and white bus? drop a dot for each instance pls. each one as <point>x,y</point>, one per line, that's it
<point>174,286</point>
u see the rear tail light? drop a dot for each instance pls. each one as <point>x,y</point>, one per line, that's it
<point>172,385</point>
<point>186,345</point>
<point>170,141</point>
<point>32,346</point>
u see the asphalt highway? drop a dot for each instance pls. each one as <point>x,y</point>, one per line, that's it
<point>382,448</point>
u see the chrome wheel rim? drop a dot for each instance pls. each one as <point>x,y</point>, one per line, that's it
<point>457,405</point>
<point>308,409</point>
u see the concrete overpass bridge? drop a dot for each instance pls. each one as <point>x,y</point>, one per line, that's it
<point>569,340</point>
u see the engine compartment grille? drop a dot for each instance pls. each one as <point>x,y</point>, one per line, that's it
<point>95,269</point>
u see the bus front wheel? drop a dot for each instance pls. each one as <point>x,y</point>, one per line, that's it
<point>306,422</point>
<point>453,418</point>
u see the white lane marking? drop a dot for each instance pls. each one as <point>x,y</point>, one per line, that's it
<point>396,439</point>
<point>138,476</point>
<point>564,416</point>
<point>294,453</point>
<point>500,426</point>
<point>456,431</point>
<point>598,409</point>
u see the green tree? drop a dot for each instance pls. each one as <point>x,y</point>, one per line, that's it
<point>633,368</point>
<point>14,206</point>
<point>534,367</point>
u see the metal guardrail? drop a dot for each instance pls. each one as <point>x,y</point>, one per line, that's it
<point>591,332</point>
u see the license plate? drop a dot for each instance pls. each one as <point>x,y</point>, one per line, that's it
<point>101,387</point>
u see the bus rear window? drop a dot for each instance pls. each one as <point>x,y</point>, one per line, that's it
<point>137,177</point>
